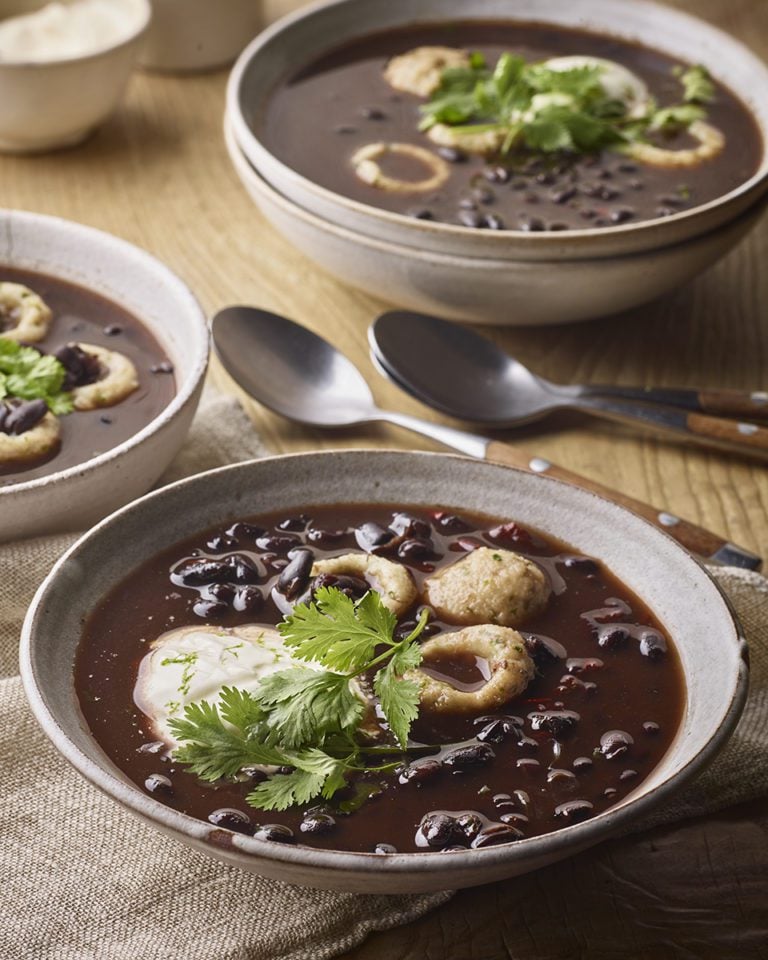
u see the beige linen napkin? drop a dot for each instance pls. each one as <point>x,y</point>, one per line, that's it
<point>84,880</point>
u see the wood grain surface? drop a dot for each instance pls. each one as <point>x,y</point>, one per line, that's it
<point>157,174</point>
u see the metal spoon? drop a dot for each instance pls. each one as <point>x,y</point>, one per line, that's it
<point>460,372</point>
<point>298,374</point>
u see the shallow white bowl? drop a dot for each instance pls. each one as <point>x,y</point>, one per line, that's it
<point>305,35</point>
<point>489,290</point>
<point>676,588</point>
<point>58,103</point>
<point>73,498</point>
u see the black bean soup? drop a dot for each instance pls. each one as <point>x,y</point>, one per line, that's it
<point>81,315</point>
<point>341,102</point>
<point>599,715</point>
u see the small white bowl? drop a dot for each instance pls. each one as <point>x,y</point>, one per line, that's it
<point>674,586</point>
<point>74,498</point>
<point>186,36</point>
<point>304,36</point>
<point>498,291</point>
<point>58,103</point>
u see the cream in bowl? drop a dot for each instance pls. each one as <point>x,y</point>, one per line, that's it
<point>102,357</point>
<point>406,671</point>
<point>63,68</point>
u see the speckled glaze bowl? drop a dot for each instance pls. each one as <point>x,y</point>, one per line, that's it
<point>489,290</point>
<point>72,499</point>
<point>307,34</point>
<point>676,588</point>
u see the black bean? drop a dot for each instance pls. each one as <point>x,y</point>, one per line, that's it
<point>231,819</point>
<point>113,330</point>
<point>627,774</point>
<point>470,218</point>
<point>651,728</point>
<point>558,226</point>
<point>665,211</point>
<point>421,213</point>
<point>514,819</point>
<point>221,544</point>
<point>352,587</point>
<point>241,570</point>
<point>621,214</point>
<point>450,522</point>
<point>24,416</point>
<point>294,579</point>
<point>277,543</point>
<point>574,811</point>
<point>670,200</point>
<point>611,637</point>
<point>467,204</point>
<point>275,832</point>
<point>582,764</point>
<point>653,645</point>
<point>511,533</point>
<point>345,128</point>
<point>563,196</point>
<point>153,746</point>
<point>628,168</point>
<point>406,525</point>
<point>556,722</point>
<point>636,184</point>
<point>469,824</point>
<point>224,592</point>
<point>373,113</point>
<point>546,179</point>
<point>469,755</point>
<point>615,743</point>
<point>468,544</point>
<point>82,368</point>
<point>493,222</point>
<point>483,195</point>
<point>246,531</point>
<point>497,174</point>
<point>158,783</point>
<point>294,523</point>
<point>496,833</point>
<point>529,764</point>
<point>453,154</point>
<point>414,549</point>
<point>210,608</point>
<point>419,771</point>
<point>494,732</point>
<point>610,792</point>
<point>531,224</point>
<point>324,538</point>
<point>588,213</point>
<point>200,573</point>
<point>439,830</point>
<point>384,848</point>
<point>317,823</point>
<point>248,599</point>
<point>371,535</point>
<point>528,743</point>
<point>585,565</point>
<point>165,366</point>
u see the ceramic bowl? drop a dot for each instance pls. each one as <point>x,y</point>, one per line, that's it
<point>73,498</point>
<point>489,290</point>
<point>676,588</point>
<point>58,103</point>
<point>283,47</point>
<point>187,36</point>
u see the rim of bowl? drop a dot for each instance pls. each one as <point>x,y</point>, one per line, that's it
<point>245,169</point>
<point>248,140</point>
<point>129,795</point>
<point>85,57</point>
<point>185,389</point>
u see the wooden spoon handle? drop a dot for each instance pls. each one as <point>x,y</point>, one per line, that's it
<point>734,403</point>
<point>695,539</point>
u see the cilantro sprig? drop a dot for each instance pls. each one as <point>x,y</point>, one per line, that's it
<point>536,108</point>
<point>27,374</point>
<point>308,717</point>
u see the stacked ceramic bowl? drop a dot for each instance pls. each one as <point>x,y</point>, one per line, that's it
<point>495,276</point>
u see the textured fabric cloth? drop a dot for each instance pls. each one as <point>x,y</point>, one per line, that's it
<point>84,880</point>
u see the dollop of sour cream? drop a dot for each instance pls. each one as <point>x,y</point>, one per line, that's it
<point>60,31</point>
<point>617,81</point>
<point>191,664</point>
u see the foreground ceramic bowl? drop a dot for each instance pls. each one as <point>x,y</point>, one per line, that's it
<point>489,290</point>
<point>73,498</point>
<point>58,103</point>
<point>676,588</point>
<point>305,36</point>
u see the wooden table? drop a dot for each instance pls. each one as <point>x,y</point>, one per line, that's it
<point>158,175</point>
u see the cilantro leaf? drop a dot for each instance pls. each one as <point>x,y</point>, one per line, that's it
<point>399,697</point>
<point>671,119</point>
<point>304,706</point>
<point>30,375</point>
<point>287,789</point>
<point>697,85</point>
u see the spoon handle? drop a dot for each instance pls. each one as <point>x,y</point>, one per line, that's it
<point>735,436</point>
<point>706,544</point>
<point>737,404</point>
